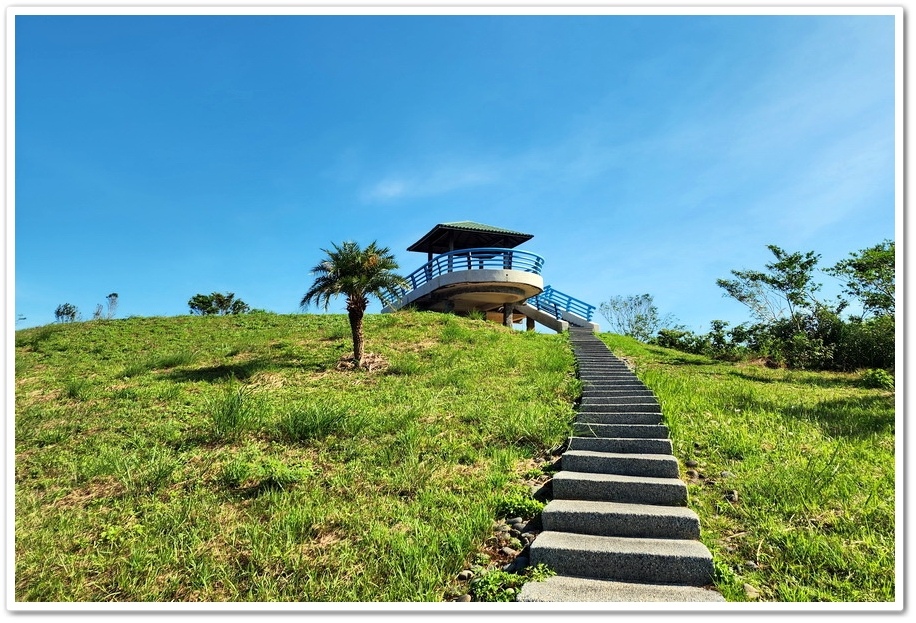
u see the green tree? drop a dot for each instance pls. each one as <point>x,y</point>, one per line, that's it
<point>217,303</point>
<point>356,273</point>
<point>66,312</point>
<point>635,316</point>
<point>868,275</point>
<point>786,290</point>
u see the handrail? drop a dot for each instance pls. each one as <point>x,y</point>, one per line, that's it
<point>553,301</point>
<point>491,258</point>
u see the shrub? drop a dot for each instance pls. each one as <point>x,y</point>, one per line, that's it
<point>518,503</point>
<point>497,585</point>
<point>878,379</point>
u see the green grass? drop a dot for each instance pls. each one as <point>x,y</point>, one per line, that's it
<point>811,458</point>
<point>227,459</point>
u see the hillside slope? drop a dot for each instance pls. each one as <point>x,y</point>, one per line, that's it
<point>227,458</point>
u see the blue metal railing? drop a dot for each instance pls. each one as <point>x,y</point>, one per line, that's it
<point>554,302</point>
<point>467,259</point>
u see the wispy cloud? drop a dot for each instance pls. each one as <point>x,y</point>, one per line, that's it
<point>430,183</point>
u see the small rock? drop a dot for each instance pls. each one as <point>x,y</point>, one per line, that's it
<point>692,474</point>
<point>751,592</point>
<point>465,575</point>
<point>731,496</point>
<point>750,564</point>
<point>691,463</point>
<point>464,598</point>
<point>519,527</point>
<point>726,474</point>
<point>528,537</point>
<point>503,528</point>
<point>514,520</point>
<point>508,551</point>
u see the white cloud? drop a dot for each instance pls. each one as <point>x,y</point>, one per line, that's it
<point>430,183</point>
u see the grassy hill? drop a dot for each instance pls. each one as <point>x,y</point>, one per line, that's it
<point>227,458</point>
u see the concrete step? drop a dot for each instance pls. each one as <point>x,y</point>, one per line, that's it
<point>659,561</point>
<point>619,488</point>
<point>604,362</point>
<point>621,445</point>
<point>611,393</point>
<point>653,465</point>
<point>617,519</point>
<point>561,588</point>
<point>644,431</point>
<point>605,374</point>
<point>606,384</point>
<point>643,406</point>
<point>610,376</point>
<point>620,398</point>
<point>594,417</point>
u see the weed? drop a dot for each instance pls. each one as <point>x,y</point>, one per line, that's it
<point>233,411</point>
<point>518,503</point>
<point>497,585</point>
<point>77,388</point>
<point>316,420</point>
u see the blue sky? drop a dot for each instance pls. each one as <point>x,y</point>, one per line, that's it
<point>164,156</point>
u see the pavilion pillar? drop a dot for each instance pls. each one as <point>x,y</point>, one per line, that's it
<point>507,315</point>
<point>529,324</point>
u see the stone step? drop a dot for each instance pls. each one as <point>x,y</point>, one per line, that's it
<point>603,362</point>
<point>606,371</point>
<point>620,398</point>
<point>561,588</point>
<point>611,405</point>
<point>609,376</point>
<point>619,488</point>
<point>621,445</point>
<point>643,406</point>
<point>617,519</point>
<point>659,561</point>
<point>610,393</point>
<point>595,417</point>
<point>653,465</point>
<point>644,431</point>
<point>605,384</point>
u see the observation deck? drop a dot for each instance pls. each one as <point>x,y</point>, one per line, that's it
<point>476,267</point>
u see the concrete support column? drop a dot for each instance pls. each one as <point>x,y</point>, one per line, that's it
<point>507,315</point>
<point>529,324</point>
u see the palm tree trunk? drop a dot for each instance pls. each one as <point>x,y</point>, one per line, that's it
<point>356,329</point>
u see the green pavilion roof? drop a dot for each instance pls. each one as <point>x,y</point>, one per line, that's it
<point>446,237</point>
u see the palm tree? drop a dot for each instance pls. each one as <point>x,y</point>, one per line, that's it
<point>358,274</point>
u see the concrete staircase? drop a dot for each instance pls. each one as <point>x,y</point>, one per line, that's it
<point>617,527</point>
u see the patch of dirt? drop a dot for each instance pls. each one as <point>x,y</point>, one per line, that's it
<point>372,362</point>
<point>107,488</point>
<point>267,380</point>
